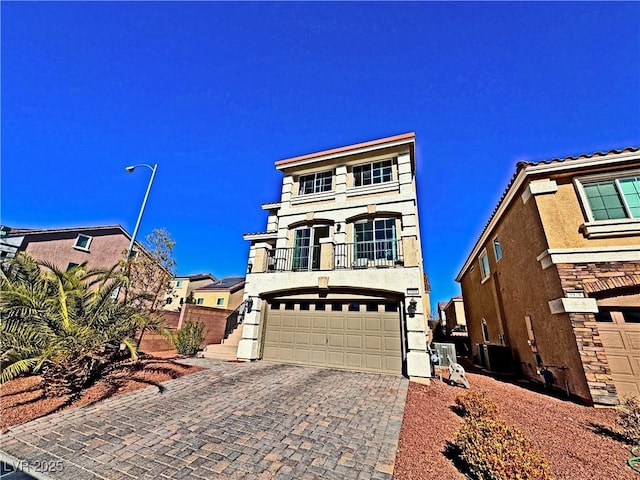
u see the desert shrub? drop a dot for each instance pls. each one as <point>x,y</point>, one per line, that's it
<point>476,404</point>
<point>189,338</point>
<point>629,418</point>
<point>494,450</point>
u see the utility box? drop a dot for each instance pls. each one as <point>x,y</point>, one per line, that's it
<point>445,351</point>
<point>495,358</point>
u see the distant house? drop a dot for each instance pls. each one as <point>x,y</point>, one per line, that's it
<point>225,294</point>
<point>183,286</point>
<point>100,246</point>
<point>337,277</point>
<point>554,279</point>
<point>455,324</point>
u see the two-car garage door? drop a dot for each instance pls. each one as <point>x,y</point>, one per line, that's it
<point>352,335</point>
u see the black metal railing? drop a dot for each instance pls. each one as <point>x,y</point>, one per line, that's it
<point>371,254</point>
<point>233,320</point>
<point>294,259</point>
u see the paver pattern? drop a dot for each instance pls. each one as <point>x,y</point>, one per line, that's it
<point>232,420</point>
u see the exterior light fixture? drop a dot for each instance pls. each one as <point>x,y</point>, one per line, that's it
<point>411,308</point>
<point>249,304</point>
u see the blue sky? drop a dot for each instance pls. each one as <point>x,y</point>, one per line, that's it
<point>216,92</point>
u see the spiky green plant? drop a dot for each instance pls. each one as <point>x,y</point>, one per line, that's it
<point>63,324</point>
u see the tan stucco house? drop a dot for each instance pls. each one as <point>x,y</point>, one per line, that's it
<point>336,279</point>
<point>226,293</point>
<point>182,286</point>
<point>555,276</point>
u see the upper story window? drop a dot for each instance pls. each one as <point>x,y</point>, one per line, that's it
<point>83,242</point>
<point>376,239</point>
<point>372,173</point>
<point>484,265</point>
<point>200,301</point>
<point>316,183</point>
<point>497,249</point>
<point>220,302</point>
<point>178,283</point>
<point>613,199</point>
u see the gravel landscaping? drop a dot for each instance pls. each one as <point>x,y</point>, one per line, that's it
<point>579,442</point>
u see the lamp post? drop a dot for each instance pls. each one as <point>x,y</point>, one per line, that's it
<point>144,202</point>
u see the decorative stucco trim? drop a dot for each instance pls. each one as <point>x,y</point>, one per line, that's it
<point>573,305</point>
<point>539,187</point>
<point>589,255</point>
<point>393,186</point>
<point>313,197</point>
<point>611,228</point>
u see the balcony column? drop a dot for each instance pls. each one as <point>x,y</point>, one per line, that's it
<point>327,248</point>
<point>260,260</point>
<point>410,251</point>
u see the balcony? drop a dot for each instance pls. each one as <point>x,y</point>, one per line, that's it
<point>327,256</point>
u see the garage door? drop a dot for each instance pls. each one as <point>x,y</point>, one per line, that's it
<point>352,335</point>
<point>620,335</point>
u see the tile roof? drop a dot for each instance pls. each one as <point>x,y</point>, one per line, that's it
<point>36,231</point>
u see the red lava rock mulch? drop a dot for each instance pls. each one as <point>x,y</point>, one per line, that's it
<point>22,400</point>
<point>579,442</point>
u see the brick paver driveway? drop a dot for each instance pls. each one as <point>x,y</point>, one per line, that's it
<point>252,420</point>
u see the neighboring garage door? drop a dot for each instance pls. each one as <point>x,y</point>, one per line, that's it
<point>620,335</point>
<point>352,335</point>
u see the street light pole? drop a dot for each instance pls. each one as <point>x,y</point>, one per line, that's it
<point>144,202</point>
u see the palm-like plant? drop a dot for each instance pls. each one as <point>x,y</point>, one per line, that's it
<point>64,324</point>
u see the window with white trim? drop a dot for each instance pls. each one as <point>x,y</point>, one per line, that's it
<point>316,183</point>
<point>484,265</point>
<point>612,199</point>
<point>376,239</point>
<point>372,173</point>
<point>199,301</point>
<point>497,249</point>
<point>83,242</point>
<point>220,302</point>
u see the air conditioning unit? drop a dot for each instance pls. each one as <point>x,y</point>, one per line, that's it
<point>445,351</point>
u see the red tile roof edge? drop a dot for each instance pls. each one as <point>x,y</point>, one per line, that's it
<point>347,148</point>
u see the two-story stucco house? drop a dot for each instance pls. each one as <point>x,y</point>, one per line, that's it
<point>183,286</point>
<point>337,277</point>
<point>555,275</point>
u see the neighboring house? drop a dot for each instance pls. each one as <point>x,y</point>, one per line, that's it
<point>337,278</point>
<point>226,293</point>
<point>555,276</point>
<point>182,286</point>
<point>100,246</point>
<point>455,325</point>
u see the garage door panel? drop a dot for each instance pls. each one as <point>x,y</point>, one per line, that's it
<point>390,325</point>
<point>393,364</point>
<point>392,344</point>
<point>354,324</point>
<point>625,387</point>
<point>634,340</point>
<point>373,362</point>
<point>288,321</point>
<point>372,342</point>
<point>318,339</point>
<point>335,340</point>
<point>372,324</point>
<point>303,338</point>
<point>318,357</point>
<point>319,323</point>
<point>336,323</point>
<point>354,360</point>
<point>620,364</point>
<point>304,322</point>
<point>336,358</point>
<point>354,341</point>
<point>301,355</point>
<point>612,339</point>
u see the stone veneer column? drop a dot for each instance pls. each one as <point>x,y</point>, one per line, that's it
<point>583,277</point>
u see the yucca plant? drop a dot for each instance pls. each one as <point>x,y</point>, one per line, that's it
<point>63,324</point>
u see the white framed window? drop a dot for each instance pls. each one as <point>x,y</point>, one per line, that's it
<point>178,283</point>
<point>611,196</point>
<point>497,249</point>
<point>83,242</point>
<point>483,260</point>
<point>376,239</point>
<point>199,301</point>
<point>220,302</point>
<point>316,183</point>
<point>372,173</point>
<point>485,331</point>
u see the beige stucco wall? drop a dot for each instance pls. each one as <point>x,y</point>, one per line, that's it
<point>210,298</point>
<point>562,216</point>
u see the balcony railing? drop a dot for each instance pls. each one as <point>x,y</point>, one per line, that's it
<point>360,255</point>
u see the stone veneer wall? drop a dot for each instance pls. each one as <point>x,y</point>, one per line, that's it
<point>596,278</point>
